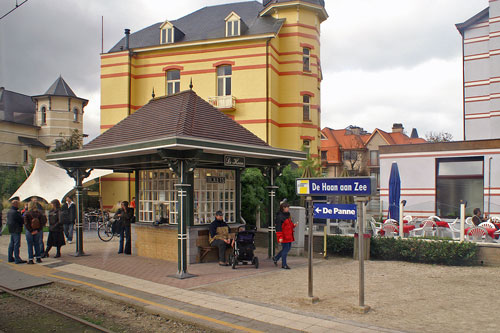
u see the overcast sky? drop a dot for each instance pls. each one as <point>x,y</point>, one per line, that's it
<point>384,61</point>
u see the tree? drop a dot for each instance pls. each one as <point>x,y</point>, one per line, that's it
<point>287,185</point>
<point>74,141</point>
<point>438,136</point>
<point>253,194</point>
<point>12,178</point>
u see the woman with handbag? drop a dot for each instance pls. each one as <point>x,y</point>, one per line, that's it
<point>56,229</point>
<point>284,234</point>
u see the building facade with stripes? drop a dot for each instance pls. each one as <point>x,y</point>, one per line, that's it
<point>481,66</point>
<point>258,62</point>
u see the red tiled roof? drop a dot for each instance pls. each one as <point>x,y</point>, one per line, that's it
<point>184,114</point>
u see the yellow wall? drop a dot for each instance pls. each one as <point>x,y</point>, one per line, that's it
<point>282,99</point>
<point>11,150</point>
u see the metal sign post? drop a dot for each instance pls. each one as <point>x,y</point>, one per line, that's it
<point>361,202</point>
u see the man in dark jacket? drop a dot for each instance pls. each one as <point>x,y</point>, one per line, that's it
<point>68,215</point>
<point>15,223</point>
<point>219,236</point>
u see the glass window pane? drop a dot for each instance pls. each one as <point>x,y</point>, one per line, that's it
<point>460,168</point>
<point>306,98</point>
<point>449,192</point>
<point>220,87</point>
<point>220,70</point>
<point>163,36</point>
<point>236,28</point>
<point>170,88</point>
<point>306,51</point>
<point>169,35</point>
<point>177,87</point>
<point>228,70</point>
<point>305,111</point>
<point>229,28</point>
<point>228,86</point>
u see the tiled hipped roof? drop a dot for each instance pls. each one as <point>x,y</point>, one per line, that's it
<point>184,114</point>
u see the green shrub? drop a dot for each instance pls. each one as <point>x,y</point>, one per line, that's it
<point>340,245</point>
<point>412,250</point>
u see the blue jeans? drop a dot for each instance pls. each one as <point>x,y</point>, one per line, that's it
<point>68,231</point>
<point>14,246</point>
<point>33,242</point>
<point>283,253</point>
<point>125,235</point>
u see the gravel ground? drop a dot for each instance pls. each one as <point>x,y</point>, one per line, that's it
<point>404,296</point>
<point>115,316</point>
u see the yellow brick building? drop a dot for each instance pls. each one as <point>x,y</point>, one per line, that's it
<point>257,62</point>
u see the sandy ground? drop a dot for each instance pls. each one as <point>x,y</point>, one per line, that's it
<point>404,296</point>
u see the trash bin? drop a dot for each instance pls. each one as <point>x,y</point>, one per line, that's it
<point>366,246</point>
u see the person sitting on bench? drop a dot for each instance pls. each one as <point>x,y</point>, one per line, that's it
<point>219,237</point>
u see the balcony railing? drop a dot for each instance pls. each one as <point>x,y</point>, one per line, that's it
<point>227,103</point>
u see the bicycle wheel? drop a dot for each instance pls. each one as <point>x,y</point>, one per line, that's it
<point>104,232</point>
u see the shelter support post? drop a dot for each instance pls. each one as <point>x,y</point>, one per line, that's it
<point>182,219</point>
<point>272,228</point>
<point>79,175</point>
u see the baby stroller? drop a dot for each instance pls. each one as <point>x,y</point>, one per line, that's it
<point>243,249</point>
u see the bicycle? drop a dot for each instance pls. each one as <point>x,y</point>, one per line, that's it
<point>106,228</point>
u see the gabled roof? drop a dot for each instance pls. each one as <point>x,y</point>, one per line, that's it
<point>341,140</point>
<point>16,108</point>
<point>207,23</point>
<point>395,138</point>
<point>484,14</point>
<point>184,114</point>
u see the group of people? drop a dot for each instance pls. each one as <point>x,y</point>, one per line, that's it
<point>61,220</point>
<point>219,235</point>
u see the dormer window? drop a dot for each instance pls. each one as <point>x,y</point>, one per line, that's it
<point>167,33</point>
<point>233,25</point>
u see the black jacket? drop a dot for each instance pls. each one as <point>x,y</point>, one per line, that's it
<point>125,218</point>
<point>15,221</point>
<point>55,222</point>
<point>280,218</point>
<point>68,213</point>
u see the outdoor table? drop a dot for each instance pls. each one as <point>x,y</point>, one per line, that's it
<point>441,224</point>
<point>491,232</point>
<point>406,229</point>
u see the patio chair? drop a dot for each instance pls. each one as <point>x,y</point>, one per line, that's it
<point>375,229</point>
<point>487,225</point>
<point>477,234</point>
<point>494,219</point>
<point>434,218</point>
<point>390,230</point>
<point>454,229</point>
<point>391,221</point>
<point>346,228</point>
<point>496,233</point>
<point>428,228</point>
<point>408,218</point>
<point>468,221</point>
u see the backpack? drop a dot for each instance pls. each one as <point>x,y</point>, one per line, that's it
<point>35,223</point>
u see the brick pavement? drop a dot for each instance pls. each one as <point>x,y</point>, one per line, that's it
<point>147,282</point>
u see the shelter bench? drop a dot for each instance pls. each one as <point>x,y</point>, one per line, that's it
<point>205,249</point>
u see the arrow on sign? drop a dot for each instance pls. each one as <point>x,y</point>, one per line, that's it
<point>317,210</point>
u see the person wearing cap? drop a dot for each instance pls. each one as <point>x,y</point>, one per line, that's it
<point>219,237</point>
<point>284,234</point>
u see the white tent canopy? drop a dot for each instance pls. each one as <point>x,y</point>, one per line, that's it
<point>50,182</point>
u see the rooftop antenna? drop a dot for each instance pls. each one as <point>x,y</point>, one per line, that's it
<point>153,94</point>
<point>191,84</point>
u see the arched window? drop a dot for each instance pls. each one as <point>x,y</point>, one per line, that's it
<point>75,115</point>
<point>173,81</point>
<point>224,73</point>
<point>43,115</point>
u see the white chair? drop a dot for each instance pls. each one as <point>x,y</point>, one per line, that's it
<point>494,219</point>
<point>375,229</point>
<point>391,221</point>
<point>434,218</point>
<point>408,218</point>
<point>487,225</point>
<point>477,234</point>
<point>390,230</point>
<point>468,221</point>
<point>428,228</point>
<point>346,228</point>
<point>496,233</point>
<point>454,229</point>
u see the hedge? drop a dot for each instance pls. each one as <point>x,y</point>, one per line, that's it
<point>412,250</point>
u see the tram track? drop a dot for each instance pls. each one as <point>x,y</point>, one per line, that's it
<point>60,312</point>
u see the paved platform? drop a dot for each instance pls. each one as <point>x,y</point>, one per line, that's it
<point>16,280</point>
<point>146,283</point>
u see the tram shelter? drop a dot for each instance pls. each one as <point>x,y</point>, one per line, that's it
<point>187,157</point>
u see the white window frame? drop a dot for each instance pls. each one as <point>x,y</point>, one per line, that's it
<point>172,86</point>
<point>306,105</point>
<point>224,79</point>
<point>167,33</point>
<point>306,59</point>
<point>75,115</point>
<point>233,25</point>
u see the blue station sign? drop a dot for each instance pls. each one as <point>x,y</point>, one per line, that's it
<point>331,211</point>
<point>356,186</point>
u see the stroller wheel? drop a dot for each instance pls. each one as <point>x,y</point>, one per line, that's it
<point>255,261</point>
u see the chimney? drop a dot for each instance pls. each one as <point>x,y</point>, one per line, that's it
<point>127,38</point>
<point>414,133</point>
<point>397,128</point>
